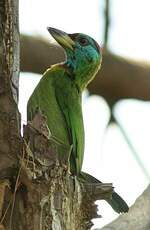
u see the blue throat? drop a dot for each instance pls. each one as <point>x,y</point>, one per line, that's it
<point>83,67</point>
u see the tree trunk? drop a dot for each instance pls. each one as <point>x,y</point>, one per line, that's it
<point>10,139</point>
<point>55,199</point>
<point>9,115</point>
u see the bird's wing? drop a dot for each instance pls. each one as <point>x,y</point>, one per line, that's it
<point>38,97</point>
<point>60,101</point>
<point>43,99</point>
<point>69,100</point>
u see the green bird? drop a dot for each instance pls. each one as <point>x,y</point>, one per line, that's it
<point>59,93</point>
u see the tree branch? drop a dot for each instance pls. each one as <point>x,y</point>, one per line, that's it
<point>118,78</point>
<point>137,218</point>
<point>107,22</point>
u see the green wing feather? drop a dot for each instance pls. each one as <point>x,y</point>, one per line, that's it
<point>60,101</point>
<point>44,99</point>
<point>69,100</point>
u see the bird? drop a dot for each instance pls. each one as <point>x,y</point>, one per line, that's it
<point>59,93</point>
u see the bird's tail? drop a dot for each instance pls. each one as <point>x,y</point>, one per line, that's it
<point>116,202</point>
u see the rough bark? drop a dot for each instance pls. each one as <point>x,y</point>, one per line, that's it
<point>53,198</point>
<point>9,68</point>
<point>137,218</point>
<point>10,139</point>
<point>118,78</point>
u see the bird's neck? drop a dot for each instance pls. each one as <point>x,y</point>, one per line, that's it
<point>82,72</point>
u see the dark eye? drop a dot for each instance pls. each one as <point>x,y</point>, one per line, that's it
<point>83,41</point>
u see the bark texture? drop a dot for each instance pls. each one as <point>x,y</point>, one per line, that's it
<point>9,59</point>
<point>10,139</point>
<point>53,199</point>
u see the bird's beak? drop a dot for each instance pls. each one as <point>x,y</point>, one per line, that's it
<point>62,38</point>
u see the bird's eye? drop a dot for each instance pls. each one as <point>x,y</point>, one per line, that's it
<point>83,41</point>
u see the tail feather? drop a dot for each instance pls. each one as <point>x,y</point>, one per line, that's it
<point>116,201</point>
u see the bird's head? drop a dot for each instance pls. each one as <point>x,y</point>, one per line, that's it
<point>83,55</point>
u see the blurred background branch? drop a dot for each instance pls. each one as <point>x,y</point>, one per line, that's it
<point>107,22</point>
<point>119,78</point>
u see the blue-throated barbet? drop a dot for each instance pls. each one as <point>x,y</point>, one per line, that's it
<point>59,95</point>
